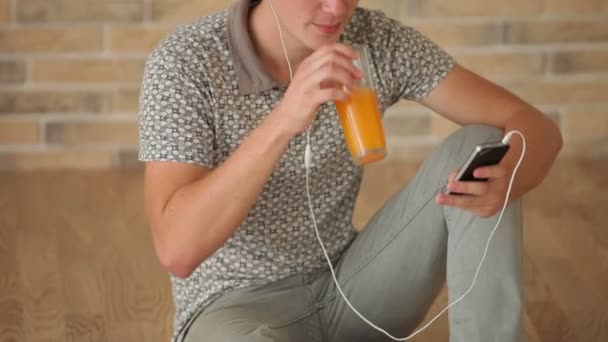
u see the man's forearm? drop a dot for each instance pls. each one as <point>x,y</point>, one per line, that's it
<point>543,143</point>
<point>201,216</point>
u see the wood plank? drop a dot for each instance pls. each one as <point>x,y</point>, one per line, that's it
<point>11,306</point>
<point>77,261</point>
<point>85,328</point>
<point>38,262</point>
<point>11,320</point>
<point>542,308</point>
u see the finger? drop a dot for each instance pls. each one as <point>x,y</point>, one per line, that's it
<point>493,171</point>
<point>331,73</point>
<point>340,62</point>
<point>334,57</point>
<point>463,202</point>
<point>470,188</point>
<point>343,49</point>
<point>329,94</point>
<point>329,84</point>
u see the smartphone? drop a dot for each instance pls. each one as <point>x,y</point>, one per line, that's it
<point>483,155</point>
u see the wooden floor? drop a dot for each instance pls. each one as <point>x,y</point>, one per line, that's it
<point>76,260</point>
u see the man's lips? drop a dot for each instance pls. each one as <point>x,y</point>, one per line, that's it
<point>328,28</point>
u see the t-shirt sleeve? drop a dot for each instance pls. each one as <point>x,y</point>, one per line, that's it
<point>175,112</point>
<point>412,64</point>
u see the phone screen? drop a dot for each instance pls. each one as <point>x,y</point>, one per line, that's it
<point>482,156</point>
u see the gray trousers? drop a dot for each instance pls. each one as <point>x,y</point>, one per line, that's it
<point>393,271</point>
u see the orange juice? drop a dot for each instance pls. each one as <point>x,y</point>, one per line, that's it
<point>362,124</point>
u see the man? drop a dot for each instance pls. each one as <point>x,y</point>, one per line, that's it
<point>221,132</point>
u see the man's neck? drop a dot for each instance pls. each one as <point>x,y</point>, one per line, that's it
<point>267,43</point>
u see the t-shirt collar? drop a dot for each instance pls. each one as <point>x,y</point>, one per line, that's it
<point>252,76</point>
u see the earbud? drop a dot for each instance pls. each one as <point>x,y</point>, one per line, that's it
<point>308,156</point>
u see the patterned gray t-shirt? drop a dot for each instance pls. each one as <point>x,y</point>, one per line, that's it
<point>204,91</point>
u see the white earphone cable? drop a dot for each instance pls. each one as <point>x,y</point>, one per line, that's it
<point>276,18</point>
<point>455,301</point>
<point>308,162</point>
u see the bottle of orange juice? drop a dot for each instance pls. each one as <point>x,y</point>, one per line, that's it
<point>360,117</point>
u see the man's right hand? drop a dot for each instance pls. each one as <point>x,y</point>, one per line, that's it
<point>318,79</point>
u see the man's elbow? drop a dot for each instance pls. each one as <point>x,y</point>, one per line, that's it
<point>173,260</point>
<point>175,266</point>
<point>549,135</point>
<point>557,139</point>
<point>554,142</point>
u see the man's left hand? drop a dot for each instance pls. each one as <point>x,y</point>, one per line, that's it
<point>483,199</point>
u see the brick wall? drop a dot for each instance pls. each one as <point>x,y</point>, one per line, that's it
<point>70,71</point>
